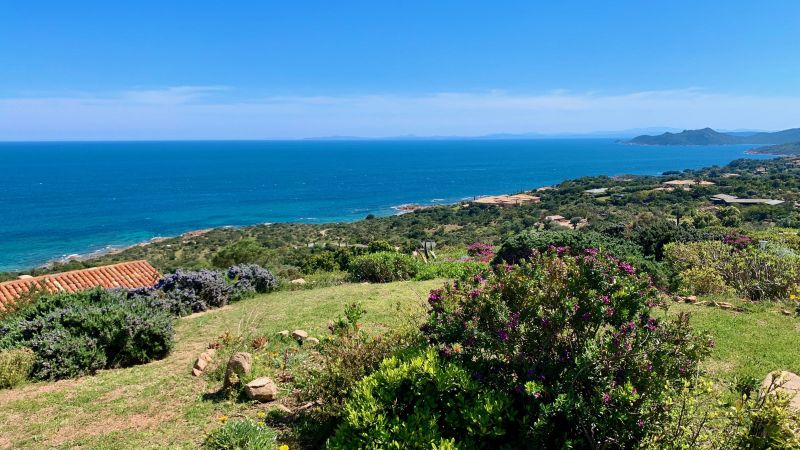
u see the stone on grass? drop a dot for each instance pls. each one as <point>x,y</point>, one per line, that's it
<point>240,364</point>
<point>202,362</point>
<point>300,335</point>
<point>298,281</point>
<point>284,333</point>
<point>312,341</point>
<point>261,389</point>
<point>786,382</point>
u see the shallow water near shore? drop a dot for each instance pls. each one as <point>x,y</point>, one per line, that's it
<point>62,198</point>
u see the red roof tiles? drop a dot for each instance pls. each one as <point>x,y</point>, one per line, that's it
<point>128,275</point>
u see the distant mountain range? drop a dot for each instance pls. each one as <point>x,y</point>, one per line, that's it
<point>707,136</point>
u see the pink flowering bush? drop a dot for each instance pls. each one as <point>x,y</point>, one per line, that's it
<point>572,339</point>
<point>481,252</point>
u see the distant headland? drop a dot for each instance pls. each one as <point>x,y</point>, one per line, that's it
<point>787,140</point>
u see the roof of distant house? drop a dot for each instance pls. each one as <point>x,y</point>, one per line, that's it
<point>127,275</point>
<point>507,200</point>
<point>732,199</point>
<point>689,183</point>
<point>601,190</point>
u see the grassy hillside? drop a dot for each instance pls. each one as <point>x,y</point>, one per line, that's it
<point>160,405</point>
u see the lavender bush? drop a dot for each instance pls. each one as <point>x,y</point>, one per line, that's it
<point>253,277</point>
<point>80,333</point>
<point>194,291</point>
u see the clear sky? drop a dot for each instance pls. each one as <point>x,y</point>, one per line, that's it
<point>282,69</point>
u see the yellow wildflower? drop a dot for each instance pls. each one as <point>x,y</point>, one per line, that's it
<point>222,419</point>
<point>283,447</point>
<point>261,414</point>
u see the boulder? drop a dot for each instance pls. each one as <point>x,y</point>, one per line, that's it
<point>312,341</point>
<point>240,364</point>
<point>300,335</point>
<point>284,333</point>
<point>298,281</point>
<point>787,382</point>
<point>261,389</point>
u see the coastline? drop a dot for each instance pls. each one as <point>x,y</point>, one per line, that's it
<point>532,164</point>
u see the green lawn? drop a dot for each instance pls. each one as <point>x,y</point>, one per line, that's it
<point>160,405</point>
<point>751,343</point>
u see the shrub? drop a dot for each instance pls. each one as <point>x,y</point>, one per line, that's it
<point>383,267</point>
<point>242,434</point>
<point>345,357</point>
<point>15,366</point>
<point>252,276</point>
<point>481,252</point>
<point>244,251</point>
<point>380,246</point>
<point>652,237</point>
<point>423,403</point>
<point>187,291</point>
<point>80,333</point>
<point>703,281</point>
<point>520,247</point>
<point>572,341</point>
<point>323,261</point>
<point>448,269</point>
<point>752,272</point>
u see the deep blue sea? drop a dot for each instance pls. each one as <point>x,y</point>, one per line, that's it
<point>60,198</point>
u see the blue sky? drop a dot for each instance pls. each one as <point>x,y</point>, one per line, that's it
<point>269,69</point>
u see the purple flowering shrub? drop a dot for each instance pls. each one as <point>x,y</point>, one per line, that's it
<point>249,279</point>
<point>737,240</point>
<point>480,251</point>
<point>74,334</point>
<point>189,291</point>
<point>572,339</point>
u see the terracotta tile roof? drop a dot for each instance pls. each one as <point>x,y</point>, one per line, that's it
<point>129,275</point>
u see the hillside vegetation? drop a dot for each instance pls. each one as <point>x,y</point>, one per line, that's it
<point>707,136</point>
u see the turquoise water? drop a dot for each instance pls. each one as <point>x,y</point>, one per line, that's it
<point>62,198</point>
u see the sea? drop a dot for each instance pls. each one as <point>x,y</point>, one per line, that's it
<point>60,199</point>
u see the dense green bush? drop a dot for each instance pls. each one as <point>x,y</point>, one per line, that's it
<point>380,246</point>
<point>752,272</point>
<point>383,267</point>
<point>703,281</point>
<point>652,237</point>
<point>15,366</point>
<point>324,261</point>
<point>448,269</point>
<point>424,403</point>
<point>80,333</point>
<point>245,251</point>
